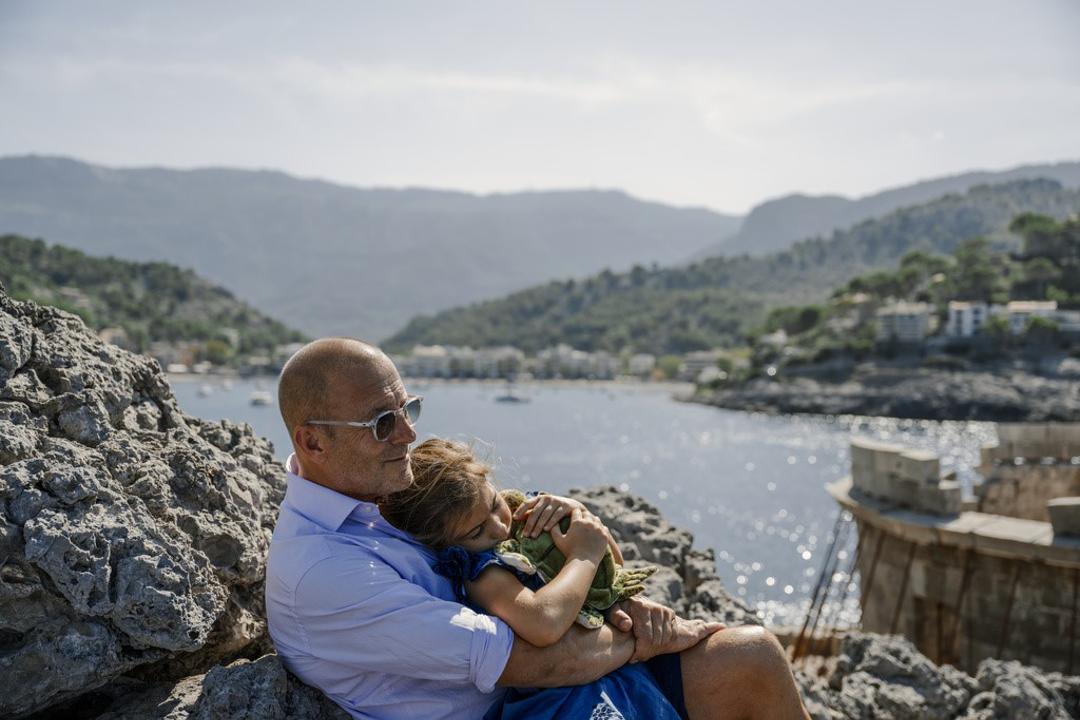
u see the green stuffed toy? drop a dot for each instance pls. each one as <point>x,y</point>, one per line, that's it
<point>611,584</point>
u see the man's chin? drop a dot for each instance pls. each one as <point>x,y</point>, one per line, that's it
<point>405,479</point>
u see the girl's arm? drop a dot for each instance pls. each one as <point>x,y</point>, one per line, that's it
<point>543,616</point>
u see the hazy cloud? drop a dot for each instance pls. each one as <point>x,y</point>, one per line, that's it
<point>722,105</point>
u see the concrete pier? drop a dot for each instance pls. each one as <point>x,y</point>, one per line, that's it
<point>972,579</point>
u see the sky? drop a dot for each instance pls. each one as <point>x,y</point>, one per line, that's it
<point>715,104</point>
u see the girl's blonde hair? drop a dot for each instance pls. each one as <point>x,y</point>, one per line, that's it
<point>447,484</point>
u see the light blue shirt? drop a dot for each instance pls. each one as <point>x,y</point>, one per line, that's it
<point>355,609</point>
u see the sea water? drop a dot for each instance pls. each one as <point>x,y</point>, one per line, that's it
<point>748,485</point>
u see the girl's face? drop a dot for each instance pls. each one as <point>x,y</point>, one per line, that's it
<point>486,525</point>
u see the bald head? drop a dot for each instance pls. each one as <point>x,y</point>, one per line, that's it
<point>314,378</point>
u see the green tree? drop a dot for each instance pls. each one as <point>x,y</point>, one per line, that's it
<point>1041,331</point>
<point>996,326</point>
<point>1039,272</point>
<point>1045,237</point>
<point>669,366</point>
<point>978,274</point>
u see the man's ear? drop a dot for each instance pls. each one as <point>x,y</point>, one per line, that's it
<point>311,445</point>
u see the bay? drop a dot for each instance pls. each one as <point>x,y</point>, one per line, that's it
<point>748,485</point>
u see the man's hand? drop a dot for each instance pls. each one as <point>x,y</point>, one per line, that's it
<point>657,629</point>
<point>544,512</point>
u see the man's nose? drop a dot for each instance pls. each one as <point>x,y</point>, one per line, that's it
<point>404,433</point>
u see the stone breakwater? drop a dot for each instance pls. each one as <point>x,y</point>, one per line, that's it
<point>133,540</point>
<point>917,394</point>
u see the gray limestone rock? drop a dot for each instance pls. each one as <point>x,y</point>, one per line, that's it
<point>886,677</point>
<point>879,676</point>
<point>244,690</point>
<point>1011,690</point>
<point>688,580</point>
<point>132,537</point>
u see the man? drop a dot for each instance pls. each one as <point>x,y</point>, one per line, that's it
<point>355,609</point>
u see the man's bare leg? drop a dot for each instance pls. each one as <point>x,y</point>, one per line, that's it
<point>740,673</point>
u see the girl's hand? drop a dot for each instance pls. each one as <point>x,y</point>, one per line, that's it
<point>544,512</point>
<point>586,537</point>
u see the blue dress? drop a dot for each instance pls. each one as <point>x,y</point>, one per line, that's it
<point>631,692</point>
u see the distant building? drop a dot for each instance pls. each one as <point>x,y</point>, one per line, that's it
<point>565,362</point>
<point>449,361</point>
<point>1068,321</point>
<point>858,306</point>
<point>903,322</point>
<point>282,353</point>
<point>431,361</point>
<point>711,375</point>
<point>641,364</point>
<point>498,362</point>
<point>697,363</point>
<point>966,319</point>
<point>232,336</point>
<point>1020,311</point>
<point>116,336</point>
<point>776,339</point>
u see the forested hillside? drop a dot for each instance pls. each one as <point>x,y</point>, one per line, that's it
<point>333,259</point>
<point>150,301</point>
<point>713,302</point>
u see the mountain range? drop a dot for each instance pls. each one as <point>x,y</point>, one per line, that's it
<point>331,259</point>
<point>775,224</point>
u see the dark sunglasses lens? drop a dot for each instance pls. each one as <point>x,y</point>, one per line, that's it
<point>384,425</point>
<point>412,410</point>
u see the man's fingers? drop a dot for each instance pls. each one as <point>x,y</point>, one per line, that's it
<point>620,619</point>
<point>658,626</point>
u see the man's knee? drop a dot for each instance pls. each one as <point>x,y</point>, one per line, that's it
<point>750,652</point>
<point>758,640</point>
<point>764,652</point>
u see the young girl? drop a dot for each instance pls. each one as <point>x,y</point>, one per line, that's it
<point>453,508</point>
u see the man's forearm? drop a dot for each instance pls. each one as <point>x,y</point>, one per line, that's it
<point>581,656</point>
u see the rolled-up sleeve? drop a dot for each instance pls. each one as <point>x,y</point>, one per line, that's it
<point>362,613</point>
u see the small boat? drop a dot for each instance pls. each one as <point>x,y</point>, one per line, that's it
<point>261,397</point>
<point>511,397</point>
<point>205,390</point>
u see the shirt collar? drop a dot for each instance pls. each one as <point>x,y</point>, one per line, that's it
<point>328,508</point>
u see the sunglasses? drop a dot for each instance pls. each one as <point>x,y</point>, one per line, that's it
<point>382,425</point>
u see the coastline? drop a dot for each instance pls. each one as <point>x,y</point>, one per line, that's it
<point>923,394</point>
<point>679,389</point>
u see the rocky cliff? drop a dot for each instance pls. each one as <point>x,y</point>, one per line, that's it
<point>133,540</point>
<point>917,393</point>
<point>132,537</point>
